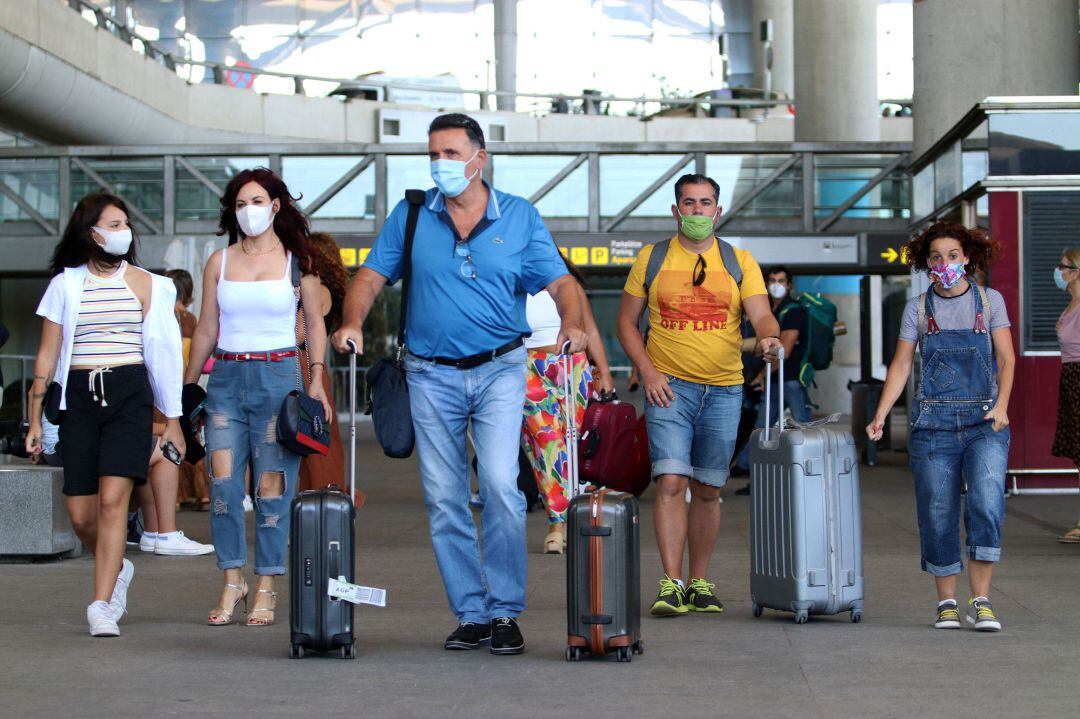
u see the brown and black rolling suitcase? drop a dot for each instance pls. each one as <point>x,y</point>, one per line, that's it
<point>603,563</point>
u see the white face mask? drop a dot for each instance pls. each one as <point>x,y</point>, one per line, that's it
<point>117,242</point>
<point>254,219</point>
<point>777,291</point>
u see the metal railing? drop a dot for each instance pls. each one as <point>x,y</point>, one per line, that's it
<point>348,189</point>
<point>25,364</point>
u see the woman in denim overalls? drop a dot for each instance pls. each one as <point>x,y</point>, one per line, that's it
<point>959,441</point>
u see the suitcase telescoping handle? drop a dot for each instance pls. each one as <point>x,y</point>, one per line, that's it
<point>779,352</point>
<point>570,391</point>
<point>352,418</point>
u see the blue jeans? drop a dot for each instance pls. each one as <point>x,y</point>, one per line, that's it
<point>794,398</point>
<point>942,460</point>
<point>443,401</point>
<point>695,435</point>
<point>242,404</point>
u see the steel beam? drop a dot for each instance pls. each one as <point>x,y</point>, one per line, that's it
<point>870,184</point>
<point>36,216</point>
<point>97,179</point>
<point>561,175</point>
<point>648,192</point>
<point>340,184</point>
<point>198,175</point>
<point>757,190</point>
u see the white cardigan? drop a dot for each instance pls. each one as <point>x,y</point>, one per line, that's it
<point>162,346</point>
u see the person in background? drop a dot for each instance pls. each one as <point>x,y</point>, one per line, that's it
<point>692,373</point>
<point>158,501</point>
<point>110,342</point>
<point>249,313</point>
<point>792,318</point>
<point>185,294</point>
<point>318,471</point>
<point>544,426</point>
<point>1067,434</point>
<point>960,424</point>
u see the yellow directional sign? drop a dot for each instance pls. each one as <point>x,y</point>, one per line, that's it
<point>348,256</point>
<point>598,255</point>
<point>579,255</point>
<point>890,255</point>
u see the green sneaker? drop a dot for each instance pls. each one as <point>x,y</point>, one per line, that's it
<point>671,600</point>
<point>700,597</point>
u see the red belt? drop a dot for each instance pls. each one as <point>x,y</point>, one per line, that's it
<point>255,356</point>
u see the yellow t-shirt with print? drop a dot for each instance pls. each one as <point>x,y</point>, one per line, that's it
<point>694,331</point>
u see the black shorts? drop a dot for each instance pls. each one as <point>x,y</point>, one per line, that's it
<point>106,441</point>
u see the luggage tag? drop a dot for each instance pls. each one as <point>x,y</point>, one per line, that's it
<point>341,589</point>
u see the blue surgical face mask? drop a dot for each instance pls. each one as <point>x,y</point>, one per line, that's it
<point>1060,281</point>
<point>449,175</point>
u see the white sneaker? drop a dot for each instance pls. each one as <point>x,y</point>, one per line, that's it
<point>149,539</point>
<point>249,506</point>
<point>175,544</point>
<point>102,619</point>
<point>118,602</point>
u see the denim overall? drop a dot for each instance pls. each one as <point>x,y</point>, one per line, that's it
<point>951,443</point>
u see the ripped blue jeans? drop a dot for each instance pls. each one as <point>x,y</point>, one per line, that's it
<point>242,404</point>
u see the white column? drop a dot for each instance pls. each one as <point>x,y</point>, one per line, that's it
<point>836,94</point>
<point>782,13</point>
<point>505,52</point>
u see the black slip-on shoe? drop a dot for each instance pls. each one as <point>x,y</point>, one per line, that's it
<point>506,636</point>
<point>468,635</point>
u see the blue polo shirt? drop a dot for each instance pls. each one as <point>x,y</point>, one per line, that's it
<point>449,314</point>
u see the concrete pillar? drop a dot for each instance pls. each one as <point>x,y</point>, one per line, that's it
<point>505,52</point>
<point>782,13</point>
<point>968,50</point>
<point>836,71</point>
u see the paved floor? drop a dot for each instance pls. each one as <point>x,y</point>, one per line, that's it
<point>168,663</point>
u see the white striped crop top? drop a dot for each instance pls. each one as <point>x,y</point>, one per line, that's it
<point>109,330</point>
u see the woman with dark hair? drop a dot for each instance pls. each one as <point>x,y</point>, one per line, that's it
<point>959,421</point>
<point>111,346</point>
<point>318,471</point>
<point>544,423</point>
<point>1067,432</point>
<point>248,313</point>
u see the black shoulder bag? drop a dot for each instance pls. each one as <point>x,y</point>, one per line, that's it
<point>301,426</point>
<point>388,389</point>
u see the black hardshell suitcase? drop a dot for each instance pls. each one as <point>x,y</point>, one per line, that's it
<point>603,562</point>
<point>320,547</point>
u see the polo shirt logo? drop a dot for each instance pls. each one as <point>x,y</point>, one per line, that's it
<point>497,241</point>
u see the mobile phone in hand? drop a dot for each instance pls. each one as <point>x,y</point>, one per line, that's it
<point>171,453</point>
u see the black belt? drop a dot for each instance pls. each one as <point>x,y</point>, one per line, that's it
<point>474,360</point>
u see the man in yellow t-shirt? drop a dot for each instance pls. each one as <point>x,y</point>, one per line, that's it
<point>692,373</point>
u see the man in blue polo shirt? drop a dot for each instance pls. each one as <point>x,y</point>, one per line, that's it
<point>477,253</point>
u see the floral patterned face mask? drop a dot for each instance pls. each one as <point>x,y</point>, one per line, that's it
<point>947,275</point>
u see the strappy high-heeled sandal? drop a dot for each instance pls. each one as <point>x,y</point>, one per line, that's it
<point>219,616</point>
<point>253,621</point>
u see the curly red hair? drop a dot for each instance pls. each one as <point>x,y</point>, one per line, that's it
<point>979,248</point>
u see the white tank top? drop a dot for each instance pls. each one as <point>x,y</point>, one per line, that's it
<point>543,317</point>
<point>256,316</point>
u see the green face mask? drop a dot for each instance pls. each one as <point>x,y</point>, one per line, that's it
<point>696,227</point>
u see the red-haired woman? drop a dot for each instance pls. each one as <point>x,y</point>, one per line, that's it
<point>249,314</point>
<point>959,421</point>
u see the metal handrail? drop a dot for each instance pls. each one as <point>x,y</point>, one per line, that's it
<point>219,70</point>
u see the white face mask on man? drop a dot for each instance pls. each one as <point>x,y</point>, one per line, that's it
<point>117,242</point>
<point>777,291</point>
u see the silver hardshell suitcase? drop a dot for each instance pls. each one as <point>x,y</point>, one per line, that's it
<point>805,524</point>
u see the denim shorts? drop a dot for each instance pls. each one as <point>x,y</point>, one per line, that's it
<point>695,435</point>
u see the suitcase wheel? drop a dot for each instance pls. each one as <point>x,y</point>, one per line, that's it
<point>296,651</point>
<point>573,654</point>
<point>802,616</point>
<point>758,609</point>
<point>856,616</point>
<point>348,651</point>
<point>624,654</point>
<point>639,646</point>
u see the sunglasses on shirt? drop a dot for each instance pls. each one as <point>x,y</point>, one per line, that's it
<point>699,275</point>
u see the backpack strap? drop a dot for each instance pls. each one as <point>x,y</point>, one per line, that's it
<point>415,199</point>
<point>731,262</point>
<point>656,259</point>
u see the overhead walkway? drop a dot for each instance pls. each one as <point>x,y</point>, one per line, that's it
<point>892,664</point>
